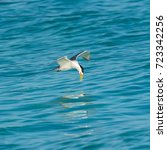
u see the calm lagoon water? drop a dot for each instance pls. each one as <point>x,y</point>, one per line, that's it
<point>43,109</point>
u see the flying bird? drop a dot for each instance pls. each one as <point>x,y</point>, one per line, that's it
<point>72,63</point>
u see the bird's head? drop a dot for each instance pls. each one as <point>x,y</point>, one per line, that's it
<point>81,73</point>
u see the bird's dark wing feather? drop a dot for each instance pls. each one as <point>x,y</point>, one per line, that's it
<point>84,54</point>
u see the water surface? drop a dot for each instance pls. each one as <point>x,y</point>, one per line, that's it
<point>44,109</point>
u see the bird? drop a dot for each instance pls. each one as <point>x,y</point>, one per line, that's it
<point>72,63</point>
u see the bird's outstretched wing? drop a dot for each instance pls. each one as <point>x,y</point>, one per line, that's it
<point>64,61</point>
<point>84,54</point>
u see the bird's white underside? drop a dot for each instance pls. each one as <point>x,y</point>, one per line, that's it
<point>66,64</point>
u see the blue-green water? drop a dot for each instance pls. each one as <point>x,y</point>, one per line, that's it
<point>47,110</point>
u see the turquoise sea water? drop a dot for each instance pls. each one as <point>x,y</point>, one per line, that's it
<point>41,109</point>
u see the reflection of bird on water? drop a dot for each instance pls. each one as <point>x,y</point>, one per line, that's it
<point>74,96</point>
<point>73,100</point>
<point>72,63</point>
